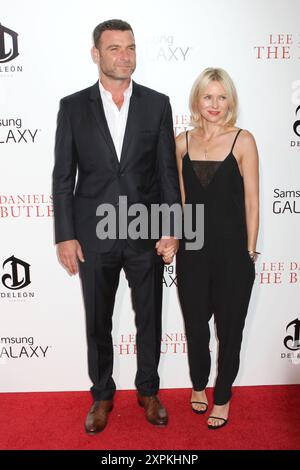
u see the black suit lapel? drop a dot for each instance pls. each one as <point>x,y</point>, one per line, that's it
<point>98,112</point>
<point>132,123</point>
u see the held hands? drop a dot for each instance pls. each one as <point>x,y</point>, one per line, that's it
<point>68,253</point>
<point>167,247</point>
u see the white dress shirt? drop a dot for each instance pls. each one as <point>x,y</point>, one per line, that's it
<point>116,119</point>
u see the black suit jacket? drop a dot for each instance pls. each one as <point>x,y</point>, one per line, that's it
<point>87,171</point>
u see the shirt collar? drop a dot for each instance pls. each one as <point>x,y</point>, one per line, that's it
<point>127,93</point>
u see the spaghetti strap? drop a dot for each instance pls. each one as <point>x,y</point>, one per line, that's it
<point>240,130</point>
<point>187,141</point>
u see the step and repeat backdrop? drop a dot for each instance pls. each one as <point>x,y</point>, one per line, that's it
<point>45,55</point>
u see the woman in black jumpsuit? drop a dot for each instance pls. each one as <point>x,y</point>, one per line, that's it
<point>218,278</point>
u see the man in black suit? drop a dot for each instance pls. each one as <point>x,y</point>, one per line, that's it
<point>115,139</point>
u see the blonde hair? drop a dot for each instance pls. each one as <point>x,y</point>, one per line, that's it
<point>205,78</point>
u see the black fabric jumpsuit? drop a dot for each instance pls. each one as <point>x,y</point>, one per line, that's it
<point>218,278</point>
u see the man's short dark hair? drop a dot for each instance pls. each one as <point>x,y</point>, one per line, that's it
<point>110,25</point>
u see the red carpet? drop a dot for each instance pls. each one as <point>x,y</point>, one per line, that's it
<point>261,418</point>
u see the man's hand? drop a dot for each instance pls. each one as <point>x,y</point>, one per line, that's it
<point>167,247</point>
<point>68,253</point>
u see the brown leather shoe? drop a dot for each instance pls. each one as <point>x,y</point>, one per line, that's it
<point>156,413</point>
<point>97,417</point>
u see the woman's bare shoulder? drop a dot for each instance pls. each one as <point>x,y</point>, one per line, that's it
<point>246,137</point>
<point>181,137</point>
<point>181,144</point>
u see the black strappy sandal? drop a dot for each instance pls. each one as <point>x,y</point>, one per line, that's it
<point>210,426</point>
<point>199,412</point>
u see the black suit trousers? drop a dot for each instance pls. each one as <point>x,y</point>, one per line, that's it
<point>100,278</point>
